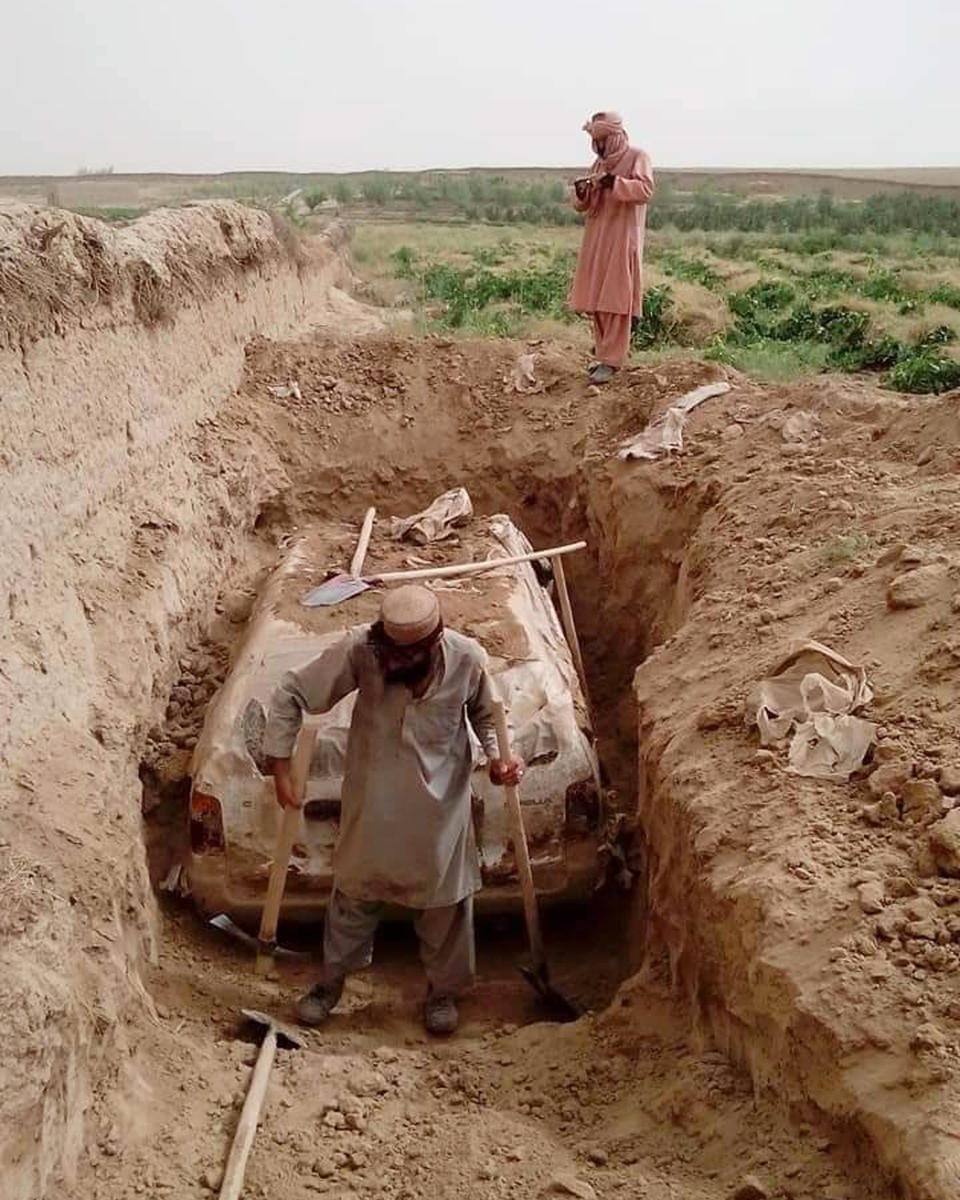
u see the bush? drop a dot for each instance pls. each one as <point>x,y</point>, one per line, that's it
<point>314,198</point>
<point>656,325</point>
<point>377,190</point>
<point>945,293</point>
<point>925,371</point>
<point>404,259</point>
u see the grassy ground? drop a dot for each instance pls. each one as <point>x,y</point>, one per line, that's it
<point>775,306</point>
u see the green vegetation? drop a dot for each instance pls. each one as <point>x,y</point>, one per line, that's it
<point>481,298</point>
<point>844,547</point>
<point>770,313</point>
<point>314,198</point>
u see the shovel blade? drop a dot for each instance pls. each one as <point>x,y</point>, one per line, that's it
<point>556,1005</point>
<point>334,591</point>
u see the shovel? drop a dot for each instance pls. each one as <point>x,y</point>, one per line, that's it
<point>266,943</point>
<point>342,587</point>
<point>537,974</point>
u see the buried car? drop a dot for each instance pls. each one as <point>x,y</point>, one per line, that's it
<point>234,817</point>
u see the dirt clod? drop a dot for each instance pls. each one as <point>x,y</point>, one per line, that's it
<point>750,1188</point>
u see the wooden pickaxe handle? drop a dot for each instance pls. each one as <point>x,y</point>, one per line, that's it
<point>289,826</point>
<point>236,1167</point>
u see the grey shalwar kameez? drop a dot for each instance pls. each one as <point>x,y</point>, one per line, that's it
<point>406,833</point>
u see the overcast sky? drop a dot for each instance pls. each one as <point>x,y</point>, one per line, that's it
<point>336,85</point>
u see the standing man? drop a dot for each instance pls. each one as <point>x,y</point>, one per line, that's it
<point>609,281</point>
<point>406,829</point>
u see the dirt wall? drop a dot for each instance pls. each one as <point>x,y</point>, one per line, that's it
<point>789,907</point>
<point>115,348</point>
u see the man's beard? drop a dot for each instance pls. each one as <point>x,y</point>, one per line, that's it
<point>411,675</point>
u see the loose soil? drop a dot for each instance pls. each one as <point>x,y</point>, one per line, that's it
<point>761,1025</point>
<point>624,1102</point>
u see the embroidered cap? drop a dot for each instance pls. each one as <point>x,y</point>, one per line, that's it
<point>409,614</point>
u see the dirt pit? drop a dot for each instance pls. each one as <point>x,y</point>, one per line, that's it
<point>634,1100</point>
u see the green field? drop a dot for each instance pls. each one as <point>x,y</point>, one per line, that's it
<point>774,304</point>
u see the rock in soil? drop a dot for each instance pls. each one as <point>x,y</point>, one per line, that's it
<point>945,843</point>
<point>918,587</point>
<point>565,1183</point>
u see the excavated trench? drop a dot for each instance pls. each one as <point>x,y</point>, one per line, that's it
<point>631,591</point>
<point>133,555</point>
<point>591,948</point>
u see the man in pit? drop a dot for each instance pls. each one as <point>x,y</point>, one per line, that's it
<point>406,832</point>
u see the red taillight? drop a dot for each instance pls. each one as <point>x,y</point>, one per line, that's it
<point>206,824</point>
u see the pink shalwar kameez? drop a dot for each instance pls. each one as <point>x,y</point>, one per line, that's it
<point>608,284</point>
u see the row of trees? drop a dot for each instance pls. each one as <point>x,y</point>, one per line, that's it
<point>430,192</point>
<point>497,198</point>
<point>880,213</point>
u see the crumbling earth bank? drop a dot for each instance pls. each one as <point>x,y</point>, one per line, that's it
<point>115,349</point>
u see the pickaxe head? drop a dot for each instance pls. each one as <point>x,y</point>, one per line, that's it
<point>287,1039</point>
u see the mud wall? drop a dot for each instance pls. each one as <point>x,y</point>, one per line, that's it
<point>116,529</point>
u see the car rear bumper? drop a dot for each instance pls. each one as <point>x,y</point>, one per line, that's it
<point>213,892</point>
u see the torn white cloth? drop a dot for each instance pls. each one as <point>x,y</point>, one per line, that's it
<point>666,433</point>
<point>813,694</point>
<point>830,747</point>
<point>292,390</point>
<point>522,378</point>
<point>436,523</point>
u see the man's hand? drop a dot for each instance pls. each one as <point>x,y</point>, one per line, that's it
<point>286,797</point>
<point>507,772</point>
<point>607,182</point>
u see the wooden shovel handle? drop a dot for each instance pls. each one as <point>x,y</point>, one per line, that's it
<point>236,1167</point>
<point>520,850</point>
<point>356,563</point>
<point>289,826</point>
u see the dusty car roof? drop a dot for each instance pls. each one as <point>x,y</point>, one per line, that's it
<point>506,610</point>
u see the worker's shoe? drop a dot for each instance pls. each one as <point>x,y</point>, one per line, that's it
<point>440,1014</point>
<point>319,1002</point>
<point>602,373</point>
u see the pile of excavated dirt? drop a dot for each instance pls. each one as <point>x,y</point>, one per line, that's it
<point>805,929</point>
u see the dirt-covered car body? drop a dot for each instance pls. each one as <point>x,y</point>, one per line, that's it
<point>234,817</point>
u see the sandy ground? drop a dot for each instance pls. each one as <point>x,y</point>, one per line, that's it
<point>616,1105</point>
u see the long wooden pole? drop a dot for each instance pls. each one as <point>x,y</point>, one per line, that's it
<point>474,568</point>
<point>570,629</point>
<point>356,563</point>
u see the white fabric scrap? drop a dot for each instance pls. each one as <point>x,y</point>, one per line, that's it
<point>813,694</point>
<point>291,390</point>
<point>666,433</point>
<point>799,427</point>
<point>522,378</point>
<point>436,523</point>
